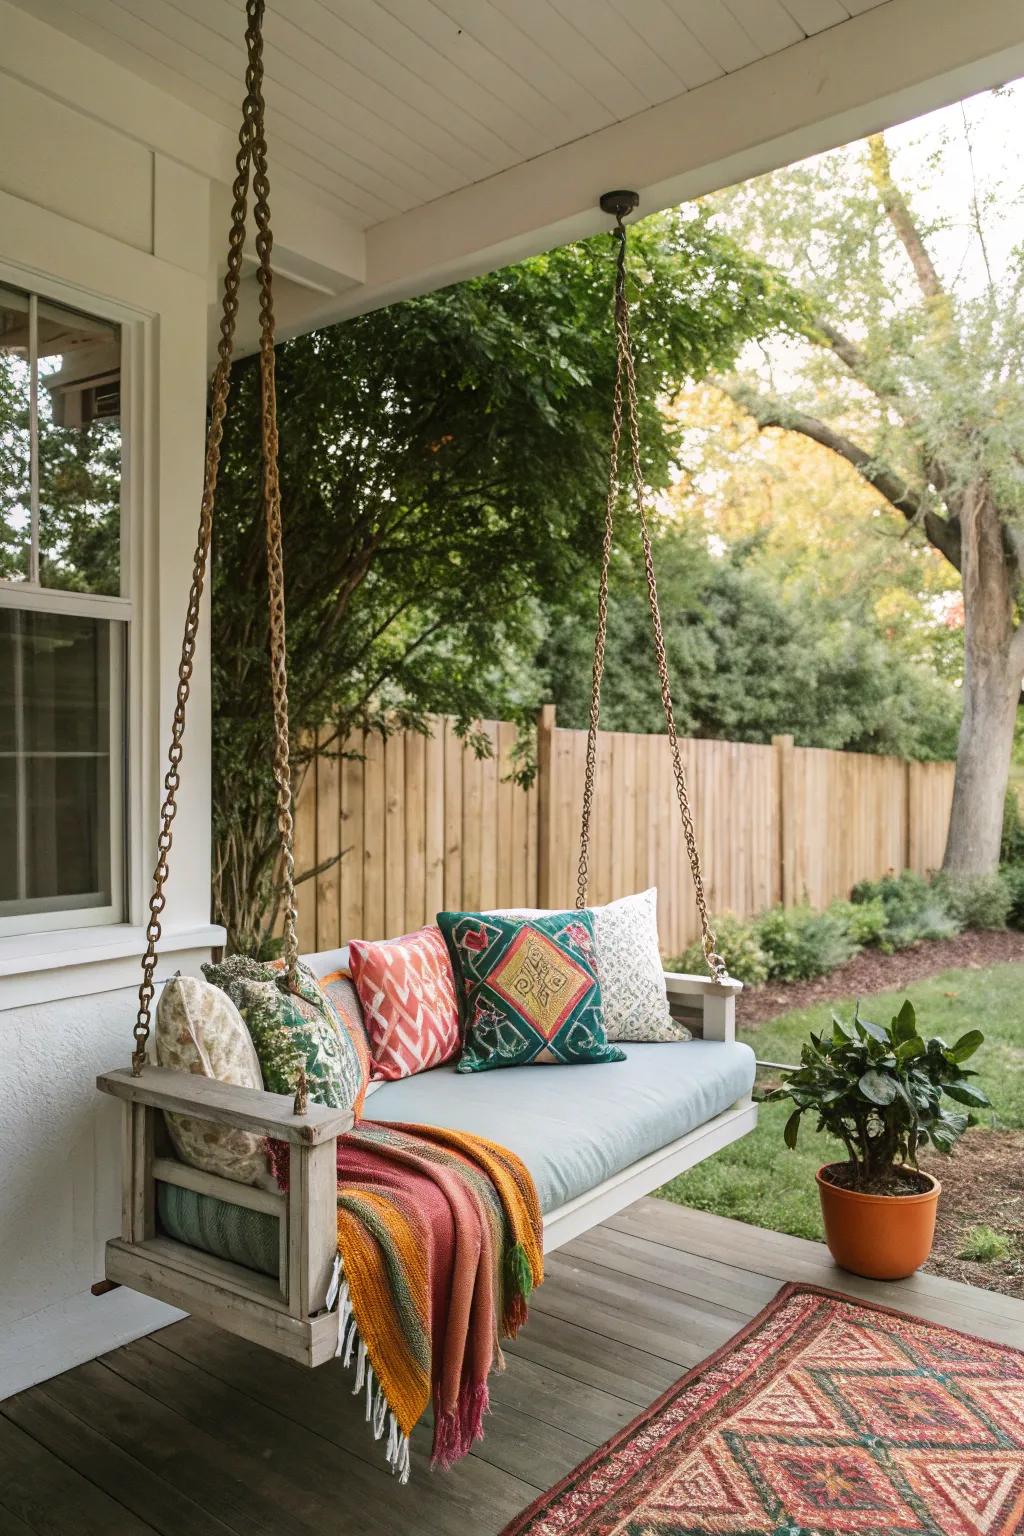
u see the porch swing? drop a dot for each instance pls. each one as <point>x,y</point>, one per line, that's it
<point>287,1311</point>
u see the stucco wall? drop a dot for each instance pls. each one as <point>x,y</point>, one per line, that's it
<point>92,217</point>
<point>59,1186</point>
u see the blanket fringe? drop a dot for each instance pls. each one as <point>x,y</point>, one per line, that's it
<point>379,1413</point>
<point>457,1430</point>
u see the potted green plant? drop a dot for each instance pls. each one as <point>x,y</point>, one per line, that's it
<point>881,1089</point>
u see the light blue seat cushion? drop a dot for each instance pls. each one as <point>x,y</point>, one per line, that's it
<point>575,1126</point>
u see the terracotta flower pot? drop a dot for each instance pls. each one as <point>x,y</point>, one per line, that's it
<point>885,1237</point>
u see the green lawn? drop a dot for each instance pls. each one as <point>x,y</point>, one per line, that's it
<point>759,1181</point>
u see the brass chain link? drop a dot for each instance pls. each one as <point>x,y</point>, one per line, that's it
<point>272,515</point>
<point>251,143</point>
<point>625,374</point>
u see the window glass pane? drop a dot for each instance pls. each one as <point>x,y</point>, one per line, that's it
<point>15,501</point>
<point>59,765</point>
<point>79,451</point>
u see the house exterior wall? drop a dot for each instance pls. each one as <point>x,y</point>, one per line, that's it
<point>93,217</point>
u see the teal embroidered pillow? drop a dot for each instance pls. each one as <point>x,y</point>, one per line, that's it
<point>528,989</point>
<point>292,1030</point>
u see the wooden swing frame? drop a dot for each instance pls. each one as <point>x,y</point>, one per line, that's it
<point>288,1315</point>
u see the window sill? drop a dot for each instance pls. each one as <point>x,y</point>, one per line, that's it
<point>45,967</point>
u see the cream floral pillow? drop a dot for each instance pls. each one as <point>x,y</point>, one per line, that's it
<point>632,977</point>
<point>199,1029</point>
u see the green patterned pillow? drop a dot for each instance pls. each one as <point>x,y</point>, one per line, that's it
<point>528,989</point>
<point>292,1029</point>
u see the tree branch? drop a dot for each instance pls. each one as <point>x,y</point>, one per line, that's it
<point>895,205</point>
<point>909,503</point>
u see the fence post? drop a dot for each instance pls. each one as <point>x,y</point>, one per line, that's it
<point>909,850</point>
<point>787,819</point>
<point>545,803</point>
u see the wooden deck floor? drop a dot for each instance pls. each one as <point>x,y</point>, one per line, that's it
<point>193,1433</point>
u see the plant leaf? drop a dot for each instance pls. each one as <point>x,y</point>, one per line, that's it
<point>877,1087</point>
<point>966,1093</point>
<point>966,1045</point>
<point>792,1129</point>
<point>904,1025</point>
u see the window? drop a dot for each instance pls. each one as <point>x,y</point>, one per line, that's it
<point>63,617</point>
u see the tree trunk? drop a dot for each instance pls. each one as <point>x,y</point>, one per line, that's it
<point>991,692</point>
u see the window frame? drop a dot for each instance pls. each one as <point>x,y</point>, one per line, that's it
<point>118,610</point>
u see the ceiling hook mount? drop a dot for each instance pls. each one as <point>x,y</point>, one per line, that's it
<point>619,204</point>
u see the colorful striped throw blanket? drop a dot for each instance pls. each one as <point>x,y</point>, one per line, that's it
<point>439,1247</point>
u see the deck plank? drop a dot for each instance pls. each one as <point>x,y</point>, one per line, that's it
<point>194,1433</point>
<point>989,1314</point>
<point>160,1503</point>
<point>305,1467</point>
<point>50,1498</point>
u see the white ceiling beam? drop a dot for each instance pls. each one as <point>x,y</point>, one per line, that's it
<point>889,64</point>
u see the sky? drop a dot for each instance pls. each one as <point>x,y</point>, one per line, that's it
<point>980,143</point>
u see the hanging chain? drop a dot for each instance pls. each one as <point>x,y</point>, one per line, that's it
<point>272,514</point>
<point>625,373</point>
<point>250,133</point>
<point>601,637</point>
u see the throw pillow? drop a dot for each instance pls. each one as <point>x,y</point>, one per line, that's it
<point>199,1030</point>
<point>528,989</point>
<point>292,1029</point>
<point>407,992</point>
<point>341,990</point>
<point>631,972</point>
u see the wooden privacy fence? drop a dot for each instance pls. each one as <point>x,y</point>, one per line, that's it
<point>423,824</point>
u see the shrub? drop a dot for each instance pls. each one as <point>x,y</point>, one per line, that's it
<point>1013,874</point>
<point>914,909</point>
<point>984,1245</point>
<point>880,1090</point>
<point>738,946</point>
<point>865,921</point>
<point>975,901</point>
<point>1012,847</point>
<point>799,943</point>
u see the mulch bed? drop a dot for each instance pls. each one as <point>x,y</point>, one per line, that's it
<point>982,1184</point>
<point>871,971</point>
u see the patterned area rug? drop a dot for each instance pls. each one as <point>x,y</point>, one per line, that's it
<point>823,1417</point>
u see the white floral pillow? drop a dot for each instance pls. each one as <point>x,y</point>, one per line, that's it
<point>632,976</point>
<point>199,1029</point>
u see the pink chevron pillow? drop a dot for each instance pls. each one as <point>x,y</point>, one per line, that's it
<point>407,990</point>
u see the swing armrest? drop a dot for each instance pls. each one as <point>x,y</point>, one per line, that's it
<point>677,984</point>
<point>250,1109</point>
<point>707,1007</point>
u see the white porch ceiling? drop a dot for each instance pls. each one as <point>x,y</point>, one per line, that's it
<point>416,142</point>
<point>383,105</point>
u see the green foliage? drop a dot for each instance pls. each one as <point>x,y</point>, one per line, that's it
<point>1011,849</point>
<point>79,490</point>
<point>749,659</point>
<point>864,921</point>
<point>975,901</point>
<point>879,1089</point>
<point>443,470</point>
<point>1013,875</point>
<point>739,946</point>
<point>758,1179</point>
<point>799,943</point>
<point>984,1245</point>
<point>914,908</point>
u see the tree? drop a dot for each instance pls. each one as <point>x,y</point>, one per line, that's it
<point>913,376</point>
<point>443,466</point>
<point>750,657</point>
